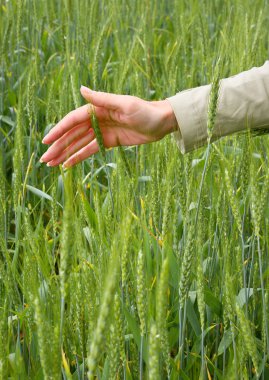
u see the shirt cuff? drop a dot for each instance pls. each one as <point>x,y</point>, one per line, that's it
<point>187,106</point>
<point>243,102</point>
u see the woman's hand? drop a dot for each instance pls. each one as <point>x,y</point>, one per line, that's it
<point>123,120</point>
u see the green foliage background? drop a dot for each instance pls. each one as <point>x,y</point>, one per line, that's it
<point>168,278</point>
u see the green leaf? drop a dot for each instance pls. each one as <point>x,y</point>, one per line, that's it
<point>7,120</point>
<point>193,318</point>
<point>212,302</point>
<point>105,374</point>
<point>135,330</point>
<point>41,194</point>
<point>244,295</point>
<point>90,212</point>
<point>173,265</point>
<point>225,342</point>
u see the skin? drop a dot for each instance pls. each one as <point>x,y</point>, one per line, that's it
<point>123,120</point>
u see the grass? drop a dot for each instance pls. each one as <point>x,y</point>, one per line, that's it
<point>146,264</point>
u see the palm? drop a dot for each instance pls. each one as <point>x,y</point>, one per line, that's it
<point>123,120</point>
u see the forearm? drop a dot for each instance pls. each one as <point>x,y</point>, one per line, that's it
<point>243,103</point>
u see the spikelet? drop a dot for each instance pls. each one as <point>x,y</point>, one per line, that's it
<point>242,357</point>
<point>175,235</point>
<point>54,209</point>
<point>99,332</point>
<point>98,46</point>
<point>167,211</point>
<point>248,338</point>
<point>67,236</point>
<point>265,321</point>
<point>182,189</point>
<point>155,198</point>
<point>114,354</point>
<point>203,222</point>
<point>30,260</point>
<point>219,208</point>
<point>42,335</point>
<point>213,102</point>
<point>89,294</point>
<point>2,195</point>
<point>133,355</point>
<point>256,36</point>
<point>154,373</point>
<point>225,223</point>
<point>200,293</point>
<point>119,326</point>
<point>125,251</point>
<point>4,339</point>
<point>125,161</point>
<point>77,310</point>
<point>98,213</point>
<point>108,220</point>
<point>73,87</point>
<point>19,7</point>
<point>255,209</point>
<point>98,135</point>
<point>30,99</point>
<point>141,292</point>
<point>258,200</point>
<point>6,37</point>
<point>211,225</point>
<point>245,167</point>
<point>6,276</point>
<point>126,66</point>
<point>116,347</point>
<point>185,274</point>
<point>233,200</point>
<point>264,193</point>
<point>49,107</point>
<point>161,312</point>
<point>188,179</point>
<point>55,352</point>
<point>188,168</point>
<point>18,157</point>
<point>229,302</point>
<point>210,161</point>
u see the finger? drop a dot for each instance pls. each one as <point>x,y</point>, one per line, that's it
<point>63,142</point>
<point>103,99</point>
<point>72,119</point>
<point>81,155</point>
<point>76,146</point>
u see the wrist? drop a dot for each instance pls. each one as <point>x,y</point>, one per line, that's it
<point>169,120</point>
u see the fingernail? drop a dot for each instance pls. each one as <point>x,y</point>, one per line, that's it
<point>86,89</point>
<point>44,140</point>
<point>41,161</point>
<point>48,164</point>
<point>43,158</point>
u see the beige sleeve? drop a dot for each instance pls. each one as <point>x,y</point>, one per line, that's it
<point>243,102</point>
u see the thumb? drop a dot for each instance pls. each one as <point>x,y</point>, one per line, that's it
<point>102,99</point>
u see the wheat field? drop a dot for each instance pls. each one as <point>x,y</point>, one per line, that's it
<point>142,263</point>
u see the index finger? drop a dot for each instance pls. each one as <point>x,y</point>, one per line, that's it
<point>77,116</point>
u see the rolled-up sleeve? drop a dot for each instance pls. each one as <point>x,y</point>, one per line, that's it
<point>243,102</point>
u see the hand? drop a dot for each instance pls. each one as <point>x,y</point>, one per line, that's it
<point>123,120</point>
